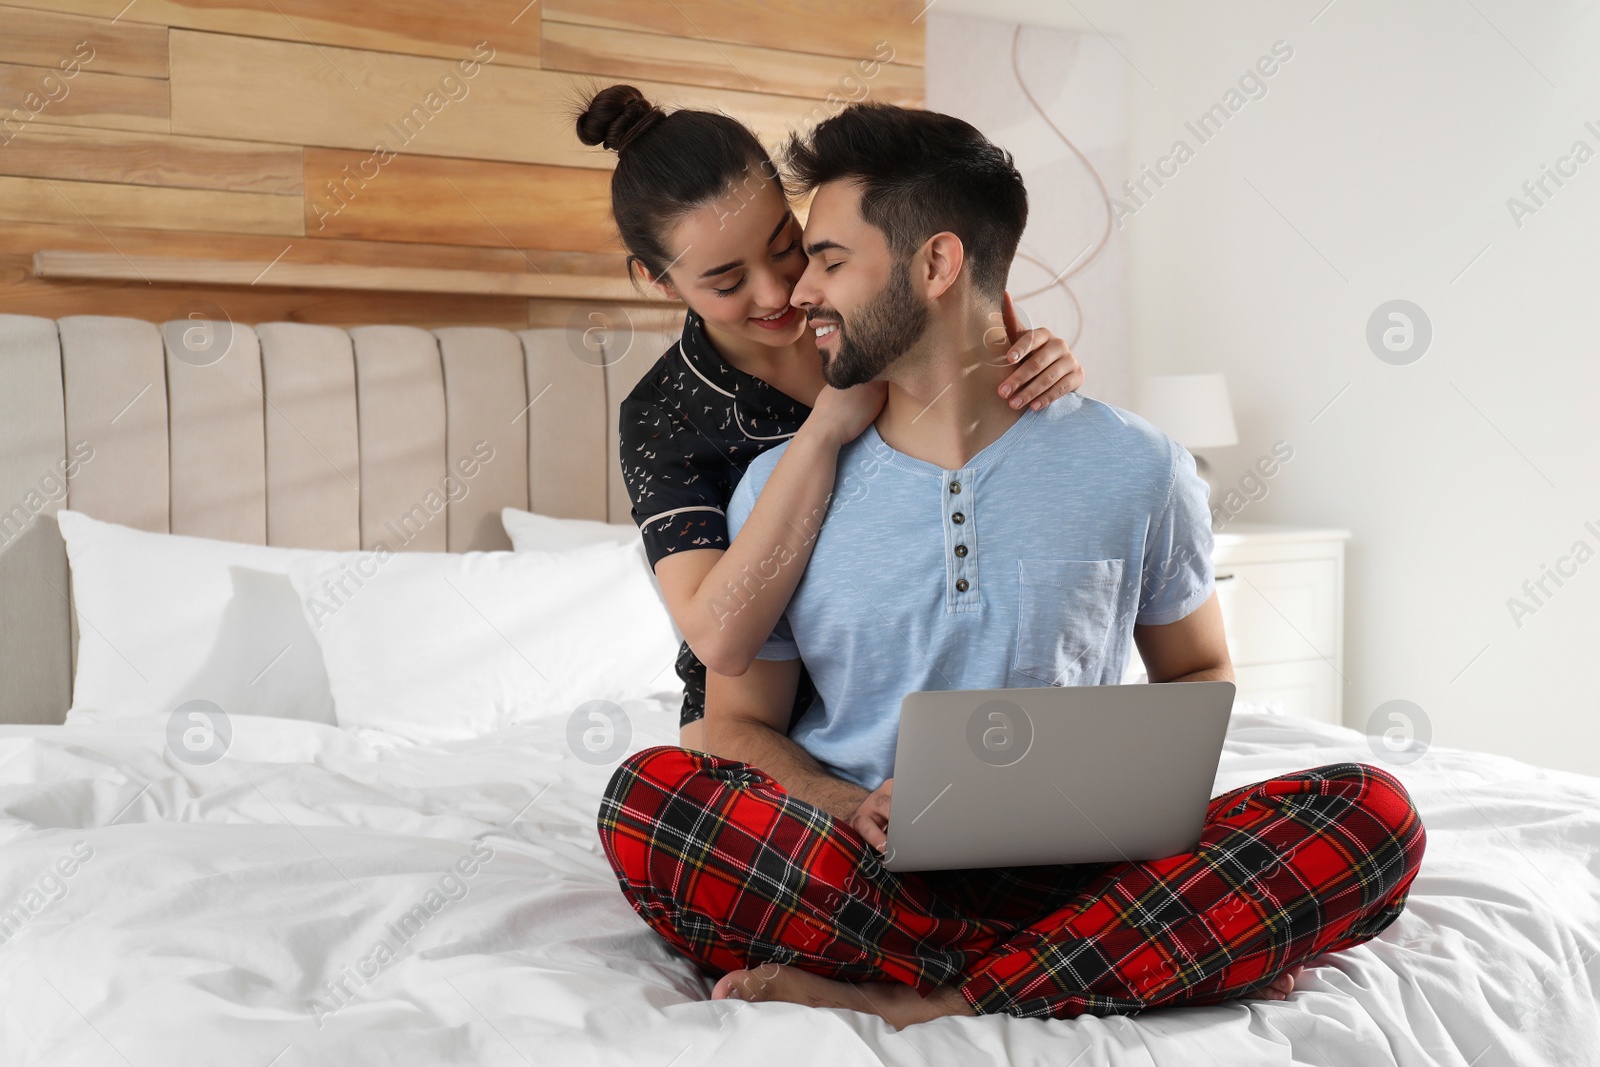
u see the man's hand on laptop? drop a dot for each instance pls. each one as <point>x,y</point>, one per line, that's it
<point>871,819</point>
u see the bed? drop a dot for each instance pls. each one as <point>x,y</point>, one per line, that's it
<point>230,912</point>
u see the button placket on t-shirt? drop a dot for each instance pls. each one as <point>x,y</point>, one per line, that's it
<point>959,513</point>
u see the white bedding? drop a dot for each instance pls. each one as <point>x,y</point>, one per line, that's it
<point>216,900</point>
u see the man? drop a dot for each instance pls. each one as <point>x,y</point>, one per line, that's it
<point>972,546</point>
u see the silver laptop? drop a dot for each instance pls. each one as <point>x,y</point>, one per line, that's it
<point>1060,774</point>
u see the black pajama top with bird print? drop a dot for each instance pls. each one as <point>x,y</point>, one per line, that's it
<point>689,430</point>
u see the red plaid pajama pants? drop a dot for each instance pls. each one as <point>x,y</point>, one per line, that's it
<point>734,872</point>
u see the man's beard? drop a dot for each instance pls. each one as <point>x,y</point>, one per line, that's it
<point>881,333</point>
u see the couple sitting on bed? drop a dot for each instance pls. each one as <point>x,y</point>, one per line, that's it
<point>963,520</point>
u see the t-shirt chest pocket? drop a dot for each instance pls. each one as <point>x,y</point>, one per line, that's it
<point>1065,608</point>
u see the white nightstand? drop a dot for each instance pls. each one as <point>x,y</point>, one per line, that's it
<point>1281,589</point>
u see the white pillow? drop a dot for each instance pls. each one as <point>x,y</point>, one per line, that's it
<point>439,646</point>
<point>164,618</point>
<point>530,530</point>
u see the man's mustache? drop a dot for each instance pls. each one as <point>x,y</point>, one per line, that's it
<point>823,316</point>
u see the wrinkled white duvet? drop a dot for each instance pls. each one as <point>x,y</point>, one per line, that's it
<point>317,897</point>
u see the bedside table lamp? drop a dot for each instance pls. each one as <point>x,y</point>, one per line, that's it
<point>1193,409</point>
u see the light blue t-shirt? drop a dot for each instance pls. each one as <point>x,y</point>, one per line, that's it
<point>1029,566</point>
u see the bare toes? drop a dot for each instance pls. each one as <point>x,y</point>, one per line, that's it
<point>1279,988</point>
<point>745,984</point>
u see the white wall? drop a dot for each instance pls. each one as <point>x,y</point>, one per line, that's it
<point>1378,166</point>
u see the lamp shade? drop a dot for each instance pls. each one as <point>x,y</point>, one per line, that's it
<point>1193,409</point>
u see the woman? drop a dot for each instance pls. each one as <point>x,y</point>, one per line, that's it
<point>704,216</point>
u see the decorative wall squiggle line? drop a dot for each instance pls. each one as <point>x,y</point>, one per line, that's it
<point>1059,278</point>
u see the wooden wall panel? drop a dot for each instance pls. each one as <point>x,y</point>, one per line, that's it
<point>225,86</point>
<point>459,201</point>
<point>158,303</point>
<point>447,28</point>
<point>624,54</point>
<point>113,101</point>
<point>137,241</point>
<point>239,87</point>
<point>103,203</point>
<point>848,28</point>
<point>255,305</point>
<point>51,39</point>
<point>634,317</point>
<point>206,130</point>
<point>42,151</point>
<point>59,264</point>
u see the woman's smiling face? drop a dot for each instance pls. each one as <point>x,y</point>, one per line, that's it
<point>738,259</point>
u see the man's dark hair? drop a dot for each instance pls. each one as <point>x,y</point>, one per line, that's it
<point>921,173</point>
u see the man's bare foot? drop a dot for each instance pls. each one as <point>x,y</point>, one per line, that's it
<point>897,1004</point>
<point>1279,988</point>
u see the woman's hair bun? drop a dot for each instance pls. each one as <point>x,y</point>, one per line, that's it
<point>615,116</point>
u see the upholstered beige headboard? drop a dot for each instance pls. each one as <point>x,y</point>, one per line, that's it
<point>282,434</point>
